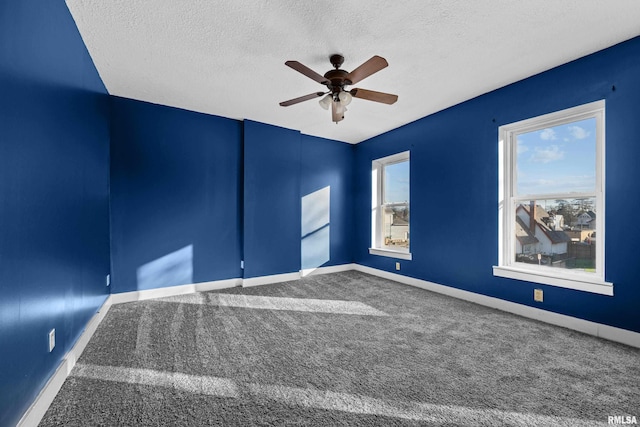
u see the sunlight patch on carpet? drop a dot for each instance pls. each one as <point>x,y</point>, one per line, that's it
<point>196,384</point>
<point>415,411</point>
<point>278,303</point>
<point>325,400</point>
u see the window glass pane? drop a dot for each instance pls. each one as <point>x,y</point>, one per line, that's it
<point>559,159</point>
<point>395,226</point>
<point>560,233</point>
<point>396,183</point>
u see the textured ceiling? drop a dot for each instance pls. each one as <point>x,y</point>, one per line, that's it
<point>227,57</point>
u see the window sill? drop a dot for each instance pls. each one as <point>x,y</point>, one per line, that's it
<point>390,253</point>
<point>585,284</point>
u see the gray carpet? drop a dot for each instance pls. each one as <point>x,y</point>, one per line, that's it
<point>340,349</point>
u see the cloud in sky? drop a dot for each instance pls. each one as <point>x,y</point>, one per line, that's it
<point>522,148</point>
<point>548,134</point>
<point>547,154</point>
<point>401,179</point>
<point>578,133</point>
<point>538,183</point>
<point>559,184</point>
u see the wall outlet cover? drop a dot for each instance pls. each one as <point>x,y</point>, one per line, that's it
<point>538,295</point>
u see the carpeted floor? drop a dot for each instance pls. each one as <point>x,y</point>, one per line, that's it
<point>340,349</point>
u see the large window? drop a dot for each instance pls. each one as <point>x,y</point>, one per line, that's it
<point>552,199</point>
<point>390,206</point>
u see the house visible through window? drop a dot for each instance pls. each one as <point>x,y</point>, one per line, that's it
<point>552,199</point>
<point>390,206</point>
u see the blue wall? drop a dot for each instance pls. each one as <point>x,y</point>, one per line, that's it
<point>327,164</point>
<point>271,200</point>
<point>454,185</point>
<point>54,203</point>
<point>176,196</point>
<point>281,166</point>
<point>193,194</point>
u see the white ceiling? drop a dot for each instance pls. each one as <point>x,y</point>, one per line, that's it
<point>227,57</point>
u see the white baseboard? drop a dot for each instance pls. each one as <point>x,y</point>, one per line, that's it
<point>327,270</point>
<point>266,280</point>
<point>287,277</point>
<point>38,408</point>
<point>132,296</point>
<point>170,291</point>
<point>592,328</point>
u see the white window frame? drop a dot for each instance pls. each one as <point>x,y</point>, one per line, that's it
<point>377,207</point>
<point>509,200</point>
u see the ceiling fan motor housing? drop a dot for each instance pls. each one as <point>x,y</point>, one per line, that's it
<point>338,78</point>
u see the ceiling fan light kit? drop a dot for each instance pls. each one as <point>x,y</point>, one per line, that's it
<point>338,97</point>
<point>345,98</point>
<point>326,102</point>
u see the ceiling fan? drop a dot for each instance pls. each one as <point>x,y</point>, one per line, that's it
<point>335,80</point>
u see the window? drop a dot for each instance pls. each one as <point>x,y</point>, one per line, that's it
<point>552,200</point>
<point>390,206</point>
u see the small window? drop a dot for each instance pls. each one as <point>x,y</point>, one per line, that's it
<point>390,206</point>
<point>552,199</point>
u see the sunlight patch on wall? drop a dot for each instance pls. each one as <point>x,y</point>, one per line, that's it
<point>315,248</point>
<point>173,269</point>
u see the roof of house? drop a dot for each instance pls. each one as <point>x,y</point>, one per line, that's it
<point>554,236</point>
<point>399,221</point>
<point>557,236</point>
<point>592,214</point>
<point>523,234</point>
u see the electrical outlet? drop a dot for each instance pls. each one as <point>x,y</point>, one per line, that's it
<point>52,339</point>
<point>397,266</point>
<point>538,295</point>
<point>108,280</point>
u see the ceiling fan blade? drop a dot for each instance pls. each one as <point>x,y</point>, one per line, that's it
<point>301,98</point>
<point>373,65</point>
<point>306,71</point>
<point>336,115</point>
<point>372,95</point>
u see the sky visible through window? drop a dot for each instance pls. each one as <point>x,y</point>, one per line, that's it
<point>396,182</point>
<point>560,159</point>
